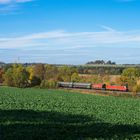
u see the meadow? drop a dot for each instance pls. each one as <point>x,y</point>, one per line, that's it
<point>32,114</point>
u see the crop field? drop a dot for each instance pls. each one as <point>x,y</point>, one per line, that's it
<point>32,114</point>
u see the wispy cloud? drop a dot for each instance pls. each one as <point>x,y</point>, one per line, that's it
<point>68,40</point>
<point>126,0</point>
<point>13,1</point>
<point>10,6</point>
<point>107,28</point>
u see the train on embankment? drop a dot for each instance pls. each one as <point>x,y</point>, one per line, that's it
<point>93,86</point>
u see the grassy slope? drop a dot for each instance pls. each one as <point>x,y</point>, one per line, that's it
<point>50,114</point>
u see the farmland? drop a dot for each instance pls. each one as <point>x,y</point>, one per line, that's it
<point>56,114</point>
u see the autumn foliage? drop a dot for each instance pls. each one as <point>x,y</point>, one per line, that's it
<point>47,76</point>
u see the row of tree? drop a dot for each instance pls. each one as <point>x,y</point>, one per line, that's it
<point>101,62</point>
<point>102,70</point>
<point>47,76</point>
<point>38,75</point>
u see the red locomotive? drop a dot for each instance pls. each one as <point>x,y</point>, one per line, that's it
<point>116,88</point>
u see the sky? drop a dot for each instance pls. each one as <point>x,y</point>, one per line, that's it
<point>70,31</point>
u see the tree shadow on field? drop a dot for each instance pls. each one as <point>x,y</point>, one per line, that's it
<point>33,125</point>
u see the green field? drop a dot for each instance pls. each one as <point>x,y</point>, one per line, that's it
<point>32,114</point>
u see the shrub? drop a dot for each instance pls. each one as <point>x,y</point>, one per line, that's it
<point>48,84</point>
<point>136,88</point>
<point>35,81</point>
<point>75,77</point>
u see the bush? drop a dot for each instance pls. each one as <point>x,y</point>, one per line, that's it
<point>136,89</point>
<point>48,84</point>
<point>35,81</point>
<point>75,77</point>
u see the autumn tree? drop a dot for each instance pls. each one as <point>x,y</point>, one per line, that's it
<point>130,76</point>
<point>20,76</point>
<point>131,73</point>
<point>66,72</point>
<point>8,77</point>
<point>33,79</point>
<point>39,71</point>
<point>16,76</point>
<point>75,77</point>
<point>51,73</point>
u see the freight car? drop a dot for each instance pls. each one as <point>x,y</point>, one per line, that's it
<point>92,86</point>
<point>98,86</point>
<point>82,85</point>
<point>65,84</point>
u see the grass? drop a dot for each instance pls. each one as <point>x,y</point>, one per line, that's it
<point>32,114</point>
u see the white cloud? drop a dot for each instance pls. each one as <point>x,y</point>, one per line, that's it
<point>11,6</point>
<point>71,40</point>
<point>13,1</point>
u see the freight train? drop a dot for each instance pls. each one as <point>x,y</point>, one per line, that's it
<point>92,86</point>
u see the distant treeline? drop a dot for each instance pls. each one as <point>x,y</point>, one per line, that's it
<point>109,62</point>
<point>102,70</point>
<point>97,67</point>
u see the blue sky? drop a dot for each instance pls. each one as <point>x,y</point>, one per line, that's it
<point>69,31</point>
